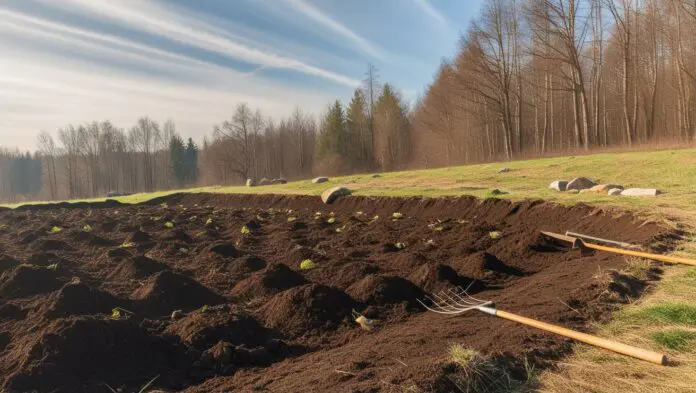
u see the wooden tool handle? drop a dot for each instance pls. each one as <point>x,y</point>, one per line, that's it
<point>662,258</point>
<point>648,356</point>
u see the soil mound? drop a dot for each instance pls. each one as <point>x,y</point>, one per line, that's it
<point>274,279</point>
<point>481,265</point>
<point>76,298</point>
<point>168,291</point>
<point>177,235</point>
<point>27,280</point>
<point>11,312</point>
<point>51,245</point>
<point>28,236</point>
<point>202,330</point>
<point>139,237</point>
<point>385,290</point>
<point>311,307</point>
<point>435,277</point>
<point>118,254</point>
<point>7,263</point>
<point>74,351</point>
<point>227,250</point>
<point>136,267</point>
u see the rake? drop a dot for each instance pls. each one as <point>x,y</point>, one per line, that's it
<point>457,301</point>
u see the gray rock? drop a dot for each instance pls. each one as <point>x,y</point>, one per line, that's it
<point>640,192</point>
<point>320,179</point>
<point>251,183</point>
<point>559,185</point>
<point>580,183</point>
<point>615,191</point>
<point>330,195</point>
<point>264,182</point>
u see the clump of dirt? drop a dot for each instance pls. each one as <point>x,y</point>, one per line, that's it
<point>307,309</point>
<point>77,298</point>
<point>71,352</point>
<point>434,277</point>
<point>27,280</point>
<point>51,245</point>
<point>381,290</point>
<point>200,330</point>
<point>11,312</point>
<point>7,263</point>
<point>136,268</point>
<point>273,279</point>
<point>168,291</point>
<point>482,265</point>
<point>227,250</point>
<point>139,237</point>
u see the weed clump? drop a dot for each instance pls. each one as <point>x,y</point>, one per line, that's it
<point>675,339</point>
<point>682,313</point>
<point>307,264</point>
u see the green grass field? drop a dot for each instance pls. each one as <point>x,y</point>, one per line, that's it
<point>664,320</point>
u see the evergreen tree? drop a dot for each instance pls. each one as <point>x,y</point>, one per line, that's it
<point>332,136</point>
<point>177,158</point>
<point>392,130</point>
<point>191,161</point>
<point>359,149</point>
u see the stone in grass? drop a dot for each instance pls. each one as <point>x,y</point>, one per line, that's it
<point>559,185</point>
<point>320,179</point>
<point>330,195</point>
<point>251,183</point>
<point>615,191</point>
<point>605,187</point>
<point>580,183</point>
<point>640,192</point>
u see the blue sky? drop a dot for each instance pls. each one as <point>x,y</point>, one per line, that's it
<point>72,61</point>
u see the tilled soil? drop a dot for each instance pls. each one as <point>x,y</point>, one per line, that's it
<point>206,306</point>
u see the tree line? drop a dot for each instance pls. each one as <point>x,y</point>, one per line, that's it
<point>530,77</point>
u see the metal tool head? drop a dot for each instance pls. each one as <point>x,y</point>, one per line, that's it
<point>453,301</point>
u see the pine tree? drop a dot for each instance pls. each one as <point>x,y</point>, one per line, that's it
<point>392,131</point>
<point>332,137</point>
<point>359,135</point>
<point>191,161</point>
<point>177,159</point>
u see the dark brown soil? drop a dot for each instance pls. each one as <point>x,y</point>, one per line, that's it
<point>211,309</point>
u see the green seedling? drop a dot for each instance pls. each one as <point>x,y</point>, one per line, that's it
<point>169,224</point>
<point>375,218</point>
<point>495,235</point>
<point>400,245</point>
<point>331,220</point>
<point>183,250</point>
<point>192,218</point>
<point>120,313</point>
<point>436,228</point>
<point>87,228</point>
<point>339,230</point>
<point>397,216</point>
<point>209,221</point>
<point>4,227</point>
<point>52,267</point>
<point>204,309</point>
<point>56,229</point>
<point>307,264</point>
<point>127,245</point>
<point>245,230</point>
<point>292,219</point>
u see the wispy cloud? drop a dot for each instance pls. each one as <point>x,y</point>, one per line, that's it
<point>432,12</point>
<point>332,24</point>
<point>155,19</point>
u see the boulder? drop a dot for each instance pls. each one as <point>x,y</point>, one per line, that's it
<point>264,182</point>
<point>559,185</point>
<point>251,183</point>
<point>580,183</point>
<point>640,192</point>
<point>605,187</point>
<point>320,179</point>
<point>615,191</point>
<point>330,195</point>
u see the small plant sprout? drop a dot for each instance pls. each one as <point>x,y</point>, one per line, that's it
<point>127,244</point>
<point>155,218</point>
<point>359,213</point>
<point>430,242</point>
<point>169,224</point>
<point>397,216</point>
<point>87,228</point>
<point>307,264</point>
<point>331,220</point>
<point>400,246</point>
<point>56,229</point>
<point>164,205</point>
<point>375,218</point>
<point>209,221</point>
<point>120,313</point>
<point>245,230</point>
<point>192,218</point>
<point>461,221</point>
<point>495,235</point>
<point>292,219</point>
<point>52,267</point>
<point>317,213</point>
<point>4,227</point>
<point>204,309</point>
<point>339,230</point>
<point>183,250</point>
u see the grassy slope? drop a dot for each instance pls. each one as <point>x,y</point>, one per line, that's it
<point>664,320</point>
